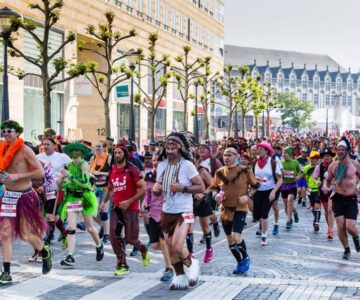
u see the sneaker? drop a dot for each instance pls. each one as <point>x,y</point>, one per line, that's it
<point>81,226</point>
<point>299,200</point>
<point>105,239</point>
<point>145,258</point>
<point>202,241</point>
<point>216,229</point>
<point>296,217</point>
<point>304,204</point>
<point>100,252</point>
<point>330,234</point>
<point>122,270</point>
<point>208,255</point>
<point>288,225</point>
<point>243,266</point>
<point>263,241</point>
<point>134,252</point>
<point>346,254</point>
<point>34,257</point>
<point>276,230</point>
<point>357,243</point>
<point>68,261</point>
<point>5,278</point>
<point>258,233</point>
<point>316,228</point>
<point>47,261</point>
<point>168,274</point>
<point>101,232</point>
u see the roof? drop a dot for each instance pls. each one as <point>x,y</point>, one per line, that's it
<point>237,55</point>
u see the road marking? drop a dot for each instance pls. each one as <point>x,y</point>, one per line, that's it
<point>126,288</point>
<point>33,288</point>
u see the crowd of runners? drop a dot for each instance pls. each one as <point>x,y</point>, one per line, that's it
<point>168,185</point>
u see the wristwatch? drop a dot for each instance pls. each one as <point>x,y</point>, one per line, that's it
<point>185,189</point>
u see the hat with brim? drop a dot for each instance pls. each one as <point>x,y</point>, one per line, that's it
<point>265,145</point>
<point>76,147</point>
<point>314,154</point>
<point>327,151</point>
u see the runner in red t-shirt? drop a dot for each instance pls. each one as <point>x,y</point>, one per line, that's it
<point>127,186</point>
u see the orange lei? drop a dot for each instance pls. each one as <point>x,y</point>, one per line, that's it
<point>7,153</point>
<point>94,164</point>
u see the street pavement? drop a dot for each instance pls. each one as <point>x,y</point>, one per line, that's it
<point>296,264</point>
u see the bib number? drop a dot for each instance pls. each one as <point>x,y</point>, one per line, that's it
<point>188,217</point>
<point>74,206</point>
<point>9,204</point>
<point>51,195</point>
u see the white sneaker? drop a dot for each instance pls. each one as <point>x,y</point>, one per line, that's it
<point>263,241</point>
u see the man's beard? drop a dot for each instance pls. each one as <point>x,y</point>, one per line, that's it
<point>172,156</point>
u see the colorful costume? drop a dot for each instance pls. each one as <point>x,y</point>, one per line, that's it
<point>79,195</point>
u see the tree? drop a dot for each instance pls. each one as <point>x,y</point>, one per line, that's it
<point>257,107</point>
<point>185,74</point>
<point>106,78</point>
<point>50,12</point>
<point>158,84</point>
<point>295,112</point>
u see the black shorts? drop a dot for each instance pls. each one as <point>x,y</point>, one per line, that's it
<point>202,208</point>
<point>262,205</point>
<point>155,231</point>
<point>286,193</point>
<point>346,206</point>
<point>237,225</point>
<point>314,198</point>
<point>49,206</point>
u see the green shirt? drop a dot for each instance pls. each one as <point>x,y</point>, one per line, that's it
<point>291,169</point>
<point>312,183</point>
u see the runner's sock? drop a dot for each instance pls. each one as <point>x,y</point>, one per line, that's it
<point>208,240</point>
<point>61,227</point>
<point>6,267</point>
<point>235,252</point>
<point>242,250</point>
<point>317,215</point>
<point>190,242</point>
<point>50,232</point>
<point>243,244</point>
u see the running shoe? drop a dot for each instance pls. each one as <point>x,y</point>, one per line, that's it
<point>47,261</point>
<point>208,255</point>
<point>134,252</point>
<point>296,217</point>
<point>145,258</point>
<point>316,227</point>
<point>357,243</point>
<point>34,257</point>
<point>100,252</point>
<point>105,239</point>
<point>330,234</point>
<point>304,204</point>
<point>243,266</point>
<point>101,232</point>
<point>122,270</point>
<point>288,225</point>
<point>258,233</point>
<point>68,261</point>
<point>5,278</point>
<point>263,241</point>
<point>168,274</point>
<point>346,254</point>
<point>276,229</point>
<point>81,226</point>
<point>202,240</point>
<point>216,229</point>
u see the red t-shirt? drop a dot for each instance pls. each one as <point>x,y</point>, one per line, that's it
<point>123,180</point>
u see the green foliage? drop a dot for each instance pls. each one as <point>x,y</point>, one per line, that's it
<point>137,97</point>
<point>295,113</point>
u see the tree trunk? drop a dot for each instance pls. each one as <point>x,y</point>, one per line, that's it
<point>207,125</point>
<point>256,126</point>
<point>107,118</point>
<point>47,103</point>
<point>268,123</point>
<point>185,117</point>
<point>243,123</point>
<point>230,119</point>
<point>152,125</point>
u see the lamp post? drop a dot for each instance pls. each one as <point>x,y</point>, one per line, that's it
<point>132,114</point>
<point>196,123</point>
<point>6,15</point>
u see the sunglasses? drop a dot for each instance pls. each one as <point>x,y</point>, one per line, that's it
<point>8,131</point>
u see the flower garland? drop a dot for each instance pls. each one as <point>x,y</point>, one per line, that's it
<point>94,164</point>
<point>7,153</point>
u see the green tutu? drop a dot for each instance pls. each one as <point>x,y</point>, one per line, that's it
<point>89,204</point>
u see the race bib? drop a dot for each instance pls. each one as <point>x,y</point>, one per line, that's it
<point>74,206</point>
<point>188,217</point>
<point>51,195</point>
<point>261,179</point>
<point>9,204</point>
<point>289,174</point>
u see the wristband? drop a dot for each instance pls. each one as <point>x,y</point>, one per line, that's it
<point>185,189</point>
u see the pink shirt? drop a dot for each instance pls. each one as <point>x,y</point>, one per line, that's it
<point>154,203</point>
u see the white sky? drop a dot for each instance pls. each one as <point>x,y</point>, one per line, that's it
<point>329,27</point>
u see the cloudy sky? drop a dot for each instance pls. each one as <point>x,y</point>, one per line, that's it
<point>315,26</point>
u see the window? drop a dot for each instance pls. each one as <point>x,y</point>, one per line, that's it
<point>304,97</point>
<point>180,24</point>
<point>344,100</point>
<point>316,83</point>
<point>327,84</point>
<point>166,17</point>
<point>160,122</point>
<point>304,82</point>
<point>149,8</point>
<point>349,86</point>
<point>280,81</point>
<point>173,21</point>
<point>123,113</point>
<point>178,117</point>
<point>333,97</point>
<point>349,101</point>
<point>292,81</point>
<point>139,6</point>
<point>327,100</point>
<point>219,11</point>
<point>316,100</point>
<point>157,10</point>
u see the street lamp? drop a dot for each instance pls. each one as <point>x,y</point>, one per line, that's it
<point>6,15</point>
<point>196,123</point>
<point>132,60</point>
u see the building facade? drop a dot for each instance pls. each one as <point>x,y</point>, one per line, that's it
<point>331,89</point>
<point>77,109</point>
